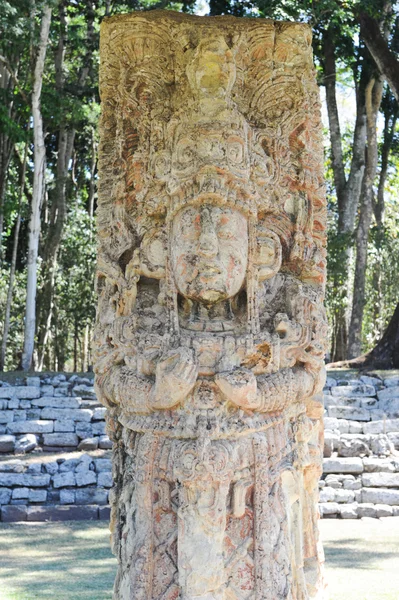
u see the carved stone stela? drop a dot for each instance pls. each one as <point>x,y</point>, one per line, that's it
<point>211,329</point>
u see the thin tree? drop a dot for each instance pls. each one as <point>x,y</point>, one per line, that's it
<point>7,315</point>
<point>39,157</point>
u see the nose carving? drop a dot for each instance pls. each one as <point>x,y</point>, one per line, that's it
<point>208,241</point>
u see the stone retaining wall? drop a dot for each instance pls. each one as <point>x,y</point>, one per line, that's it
<point>54,413</point>
<point>60,414</point>
<point>53,489</point>
<point>361,464</point>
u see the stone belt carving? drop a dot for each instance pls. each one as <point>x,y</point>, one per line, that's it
<point>211,329</point>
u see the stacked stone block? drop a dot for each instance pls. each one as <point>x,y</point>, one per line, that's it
<point>361,450</point>
<point>55,489</point>
<point>55,413</point>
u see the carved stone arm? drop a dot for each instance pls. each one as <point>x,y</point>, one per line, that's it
<point>122,386</point>
<point>175,377</point>
<point>269,393</point>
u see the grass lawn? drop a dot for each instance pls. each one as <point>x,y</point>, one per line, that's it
<point>72,561</point>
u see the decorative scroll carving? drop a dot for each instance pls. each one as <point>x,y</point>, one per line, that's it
<point>211,329</point>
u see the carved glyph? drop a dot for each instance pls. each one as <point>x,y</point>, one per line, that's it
<point>211,329</point>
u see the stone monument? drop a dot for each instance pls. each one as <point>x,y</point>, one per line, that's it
<point>211,329</point>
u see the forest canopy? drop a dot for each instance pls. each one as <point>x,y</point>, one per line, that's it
<point>49,111</point>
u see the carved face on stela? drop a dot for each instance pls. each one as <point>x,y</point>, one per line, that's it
<point>209,252</point>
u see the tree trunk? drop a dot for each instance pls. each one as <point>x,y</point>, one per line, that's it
<point>7,315</point>
<point>373,101</point>
<point>385,355</point>
<point>391,116</point>
<point>377,45</point>
<point>66,138</point>
<point>6,145</point>
<point>347,189</point>
<point>39,157</point>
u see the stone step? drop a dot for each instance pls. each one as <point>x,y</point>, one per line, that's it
<point>54,513</point>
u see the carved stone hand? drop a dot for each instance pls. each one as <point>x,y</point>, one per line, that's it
<point>240,387</point>
<point>175,378</point>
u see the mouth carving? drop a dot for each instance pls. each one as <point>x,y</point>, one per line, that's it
<point>209,271</point>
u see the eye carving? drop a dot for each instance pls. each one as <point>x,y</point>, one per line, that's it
<point>235,152</point>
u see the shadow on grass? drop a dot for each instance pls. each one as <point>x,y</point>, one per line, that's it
<point>66,561</point>
<point>346,554</point>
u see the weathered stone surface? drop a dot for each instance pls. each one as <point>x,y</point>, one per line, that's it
<point>24,480</point>
<point>352,484</point>
<point>353,391</point>
<point>62,513</point>
<point>10,514</point>
<point>66,414</point>
<point>372,464</point>
<point>85,391</point>
<point>389,393</point>
<point>19,493</point>
<point>7,443</point>
<point>375,381</point>
<point>85,478</point>
<point>51,467</point>
<point>390,407</point>
<point>380,479</point>
<point>12,466</point>
<point>352,413</point>
<point>6,416</point>
<point>69,464</point>
<point>26,443</point>
<point>84,430</point>
<point>331,423</point>
<point>85,463</point>
<point>40,426</point>
<point>104,480</point>
<point>348,511</point>
<point>105,443</point>
<point>394,438</point>
<point>344,496</point>
<point>99,413</point>
<point>328,508</point>
<point>98,428</point>
<point>60,439</point>
<point>37,496</point>
<point>46,402</point>
<point>366,510</point>
<point>67,496</point>
<point>355,427</point>
<point>64,426</point>
<point>353,447</point>
<point>5,495</point>
<point>91,496</point>
<point>343,425</point>
<point>88,444</point>
<point>342,465</point>
<point>380,496</point>
<point>20,392</point>
<point>104,513</point>
<point>392,381</point>
<point>327,494</point>
<point>383,510</point>
<point>102,464</point>
<point>211,330</point>
<point>64,480</point>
